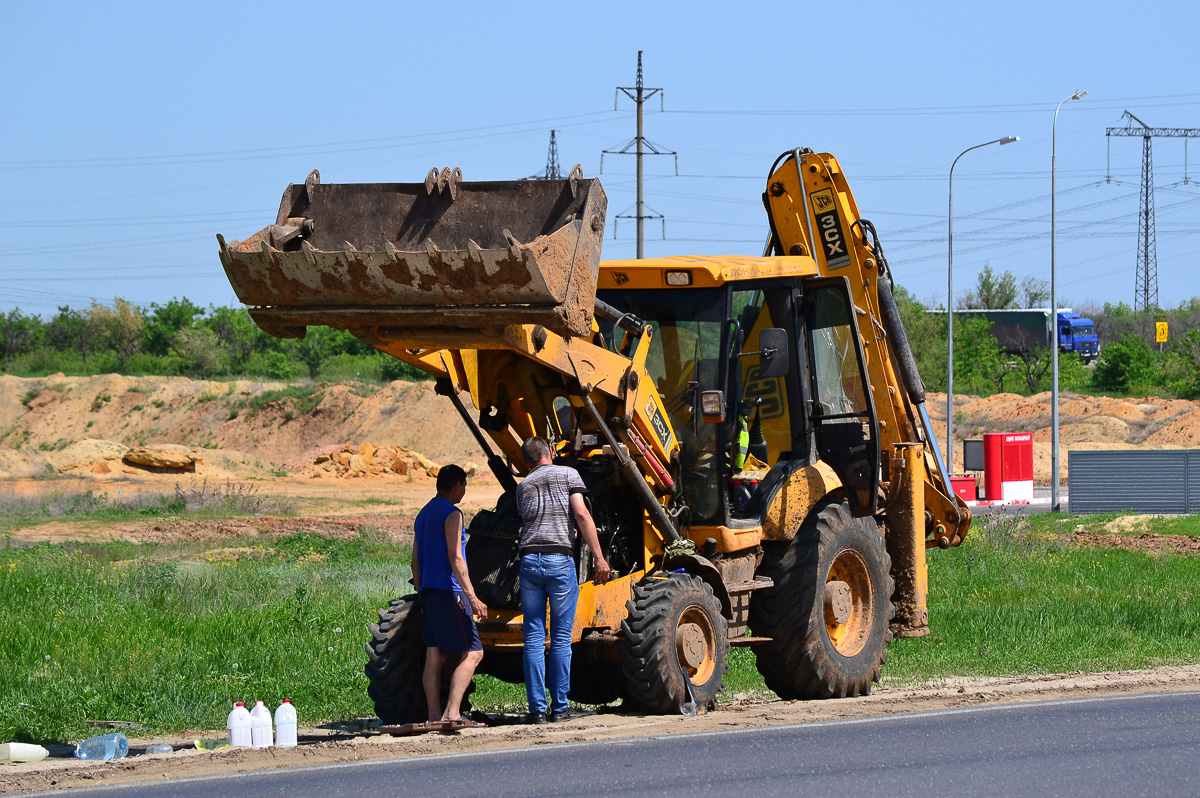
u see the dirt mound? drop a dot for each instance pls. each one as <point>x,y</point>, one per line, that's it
<point>1085,423</point>
<point>264,422</point>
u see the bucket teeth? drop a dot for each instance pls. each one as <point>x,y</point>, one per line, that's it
<point>473,251</point>
<point>435,254</point>
<point>514,246</point>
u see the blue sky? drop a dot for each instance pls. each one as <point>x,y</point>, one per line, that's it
<point>133,133</point>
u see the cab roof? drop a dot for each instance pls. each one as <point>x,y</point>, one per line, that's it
<point>704,271</point>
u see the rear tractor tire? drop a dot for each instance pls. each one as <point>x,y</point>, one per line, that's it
<point>674,626</point>
<point>829,613</point>
<point>395,661</point>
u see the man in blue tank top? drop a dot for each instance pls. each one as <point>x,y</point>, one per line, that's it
<point>448,600</point>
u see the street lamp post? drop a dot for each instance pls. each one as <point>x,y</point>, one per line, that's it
<point>1054,493</point>
<point>950,304</point>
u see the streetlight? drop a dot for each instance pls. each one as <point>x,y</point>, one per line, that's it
<point>1054,503</point>
<point>950,305</point>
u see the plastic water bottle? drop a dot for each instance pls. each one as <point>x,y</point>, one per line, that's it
<point>22,752</point>
<point>159,749</point>
<point>106,746</point>
<point>285,724</point>
<point>239,726</point>
<point>260,726</point>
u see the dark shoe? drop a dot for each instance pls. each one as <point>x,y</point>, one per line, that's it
<point>535,717</point>
<point>558,716</point>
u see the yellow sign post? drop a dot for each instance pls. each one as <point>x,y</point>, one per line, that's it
<point>1160,332</point>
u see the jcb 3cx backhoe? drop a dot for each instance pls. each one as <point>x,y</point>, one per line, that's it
<point>751,429</point>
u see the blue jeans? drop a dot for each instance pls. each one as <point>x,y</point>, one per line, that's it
<point>548,577</point>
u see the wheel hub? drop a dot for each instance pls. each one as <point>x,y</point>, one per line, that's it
<point>839,601</point>
<point>691,644</point>
<point>848,603</point>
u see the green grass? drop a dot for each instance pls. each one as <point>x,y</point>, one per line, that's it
<point>92,634</point>
<point>1014,599</point>
<point>1056,523</point>
<point>198,500</point>
<point>170,635</point>
<point>305,398</point>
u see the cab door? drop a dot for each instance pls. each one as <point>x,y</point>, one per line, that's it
<point>841,408</point>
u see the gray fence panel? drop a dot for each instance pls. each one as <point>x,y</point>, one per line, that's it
<point>1158,481</point>
<point>1193,481</point>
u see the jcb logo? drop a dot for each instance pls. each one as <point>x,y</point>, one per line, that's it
<point>822,200</point>
<point>766,388</point>
<point>829,229</point>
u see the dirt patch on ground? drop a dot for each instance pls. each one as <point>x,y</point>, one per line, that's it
<point>334,745</point>
<point>1147,543</point>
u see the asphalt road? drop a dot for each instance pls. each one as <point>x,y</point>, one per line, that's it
<point>1118,746</point>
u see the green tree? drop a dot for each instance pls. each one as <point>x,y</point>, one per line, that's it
<point>200,352</point>
<point>72,330</point>
<point>18,333</point>
<point>318,344</point>
<point>927,336</point>
<point>1123,363</point>
<point>240,337</point>
<point>164,322</point>
<point>979,364</point>
<point>119,328</point>
<point>992,291</point>
<point>1035,292</point>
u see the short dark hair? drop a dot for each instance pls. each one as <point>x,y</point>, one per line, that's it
<point>449,476</point>
<point>534,450</point>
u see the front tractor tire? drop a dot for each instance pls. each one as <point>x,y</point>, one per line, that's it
<point>395,659</point>
<point>674,626</point>
<point>829,612</point>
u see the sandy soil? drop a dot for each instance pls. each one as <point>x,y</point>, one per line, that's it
<point>66,425</point>
<point>333,745</point>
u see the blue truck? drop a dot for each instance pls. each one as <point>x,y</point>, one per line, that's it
<point>1019,332</point>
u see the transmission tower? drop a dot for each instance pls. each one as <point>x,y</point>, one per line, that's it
<point>1145,290</point>
<point>552,171</point>
<point>639,144</point>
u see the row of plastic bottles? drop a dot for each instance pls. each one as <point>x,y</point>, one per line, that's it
<point>252,728</point>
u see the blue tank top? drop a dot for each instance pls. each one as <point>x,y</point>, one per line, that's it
<point>433,561</point>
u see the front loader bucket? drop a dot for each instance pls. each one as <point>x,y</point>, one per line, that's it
<point>439,254</point>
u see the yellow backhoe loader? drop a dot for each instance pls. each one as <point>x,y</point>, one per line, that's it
<point>751,430</point>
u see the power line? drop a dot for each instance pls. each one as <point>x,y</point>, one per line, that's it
<point>639,94</point>
<point>1145,296</point>
<point>360,145</point>
<point>552,171</point>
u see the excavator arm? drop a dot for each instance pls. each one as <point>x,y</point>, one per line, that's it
<point>812,212</point>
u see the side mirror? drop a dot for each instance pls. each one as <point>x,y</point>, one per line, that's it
<point>773,352</point>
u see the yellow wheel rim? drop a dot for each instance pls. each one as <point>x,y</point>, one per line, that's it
<point>696,644</point>
<point>847,603</point>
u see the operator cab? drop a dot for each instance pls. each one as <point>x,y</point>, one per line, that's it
<point>759,377</point>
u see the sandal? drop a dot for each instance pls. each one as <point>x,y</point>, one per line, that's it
<point>464,723</point>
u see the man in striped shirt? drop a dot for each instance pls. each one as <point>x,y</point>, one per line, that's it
<point>549,500</point>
